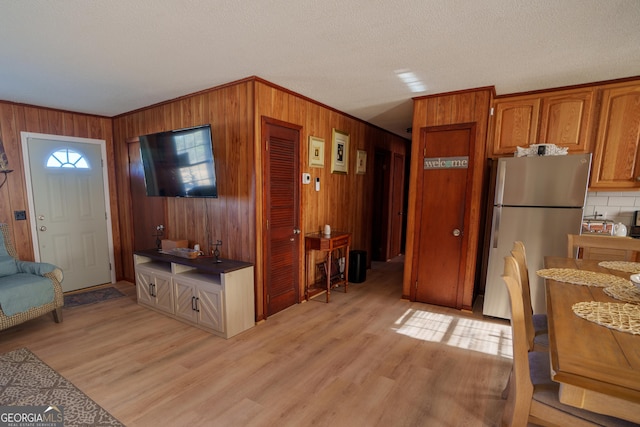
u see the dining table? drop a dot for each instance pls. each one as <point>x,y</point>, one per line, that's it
<point>597,367</point>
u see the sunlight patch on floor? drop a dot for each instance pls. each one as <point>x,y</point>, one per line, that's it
<point>469,334</point>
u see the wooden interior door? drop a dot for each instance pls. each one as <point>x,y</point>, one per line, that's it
<point>380,220</point>
<point>443,196</point>
<point>147,212</point>
<point>397,206</point>
<point>282,214</point>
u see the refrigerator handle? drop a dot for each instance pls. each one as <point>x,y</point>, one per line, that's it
<point>495,229</point>
<point>501,176</point>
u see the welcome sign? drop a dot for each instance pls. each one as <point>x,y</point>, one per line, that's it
<point>460,162</point>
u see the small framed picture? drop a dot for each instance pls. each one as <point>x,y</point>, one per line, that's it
<point>361,162</point>
<point>340,152</point>
<point>316,152</point>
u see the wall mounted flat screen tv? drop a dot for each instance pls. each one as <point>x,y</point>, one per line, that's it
<point>179,163</point>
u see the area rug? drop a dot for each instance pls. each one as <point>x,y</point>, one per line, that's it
<point>91,297</point>
<point>25,380</point>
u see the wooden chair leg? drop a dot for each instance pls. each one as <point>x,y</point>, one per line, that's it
<point>57,315</point>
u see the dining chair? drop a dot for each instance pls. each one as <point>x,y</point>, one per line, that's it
<point>536,324</point>
<point>533,397</point>
<point>602,248</point>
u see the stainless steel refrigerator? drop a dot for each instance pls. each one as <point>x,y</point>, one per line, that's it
<point>538,200</point>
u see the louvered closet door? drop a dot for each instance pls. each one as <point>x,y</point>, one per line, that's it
<point>282,211</point>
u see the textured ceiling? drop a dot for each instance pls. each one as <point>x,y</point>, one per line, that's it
<point>109,57</point>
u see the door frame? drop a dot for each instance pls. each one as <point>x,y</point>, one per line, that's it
<point>24,136</point>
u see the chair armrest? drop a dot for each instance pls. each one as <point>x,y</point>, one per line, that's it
<point>57,273</point>
<point>38,268</point>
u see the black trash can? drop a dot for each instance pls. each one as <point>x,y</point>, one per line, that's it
<point>357,266</point>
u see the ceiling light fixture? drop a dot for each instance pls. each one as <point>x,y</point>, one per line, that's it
<point>412,81</point>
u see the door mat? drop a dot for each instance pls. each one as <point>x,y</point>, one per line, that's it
<point>91,297</point>
<point>26,381</point>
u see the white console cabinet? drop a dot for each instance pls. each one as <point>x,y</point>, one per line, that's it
<point>216,297</point>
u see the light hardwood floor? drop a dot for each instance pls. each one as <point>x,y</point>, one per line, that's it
<point>368,358</point>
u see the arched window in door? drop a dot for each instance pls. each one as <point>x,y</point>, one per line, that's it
<point>67,158</point>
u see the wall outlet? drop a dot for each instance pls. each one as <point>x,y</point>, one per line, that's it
<point>20,215</point>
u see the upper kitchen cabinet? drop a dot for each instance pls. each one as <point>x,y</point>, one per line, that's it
<point>563,118</point>
<point>616,160</point>
<point>515,123</point>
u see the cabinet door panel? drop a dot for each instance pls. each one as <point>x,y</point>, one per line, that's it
<point>516,124</point>
<point>164,293</point>
<point>143,279</point>
<point>185,294</point>
<point>617,156</point>
<point>210,308</point>
<point>567,120</point>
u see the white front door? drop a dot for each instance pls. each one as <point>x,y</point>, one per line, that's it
<point>68,208</point>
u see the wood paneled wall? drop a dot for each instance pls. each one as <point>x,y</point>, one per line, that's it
<point>344,201</point>
<point>446,109</point>
<point>230,217</point>
<point>16,118</point>
<point>234,112</point>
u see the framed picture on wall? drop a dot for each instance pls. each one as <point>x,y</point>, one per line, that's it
<point>340,152</point>
<point>316,152</point>
<point>361,162</point>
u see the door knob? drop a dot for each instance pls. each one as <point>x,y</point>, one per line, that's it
<point>456,232</point>
<point>296,231</point>
<point>43,228</point>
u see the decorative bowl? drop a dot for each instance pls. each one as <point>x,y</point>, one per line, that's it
<point>635,279</point>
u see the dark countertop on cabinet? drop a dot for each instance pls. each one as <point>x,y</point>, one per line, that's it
<point>205,264</point>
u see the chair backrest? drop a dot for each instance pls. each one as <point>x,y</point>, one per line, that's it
<point>602,248</point>
<point>521,391</point>
<point>519,254</point>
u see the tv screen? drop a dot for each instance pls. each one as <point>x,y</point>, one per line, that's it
<point>179,163</point>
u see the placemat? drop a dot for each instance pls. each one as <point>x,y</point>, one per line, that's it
<point>618,316</point>
<point>626,293</point>
<point>581,277</point>
<point>626,266</point>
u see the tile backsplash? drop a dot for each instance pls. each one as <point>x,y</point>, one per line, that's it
<point>616,206</point>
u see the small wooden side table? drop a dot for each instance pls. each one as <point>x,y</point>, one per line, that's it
<point>337,241</point>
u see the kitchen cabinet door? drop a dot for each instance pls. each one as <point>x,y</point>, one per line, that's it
<point>515,123</point>
<point>567,119</point>
<point>616,164</point>
<point>564,118</point>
